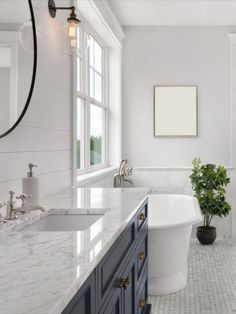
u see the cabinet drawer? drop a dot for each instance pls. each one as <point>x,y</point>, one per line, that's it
<point>141,217</point>
<point>111,265</point>
<point>142,294</point>
<point>142,255</point>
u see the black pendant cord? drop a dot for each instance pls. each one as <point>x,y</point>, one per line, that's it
<point>33,74</point>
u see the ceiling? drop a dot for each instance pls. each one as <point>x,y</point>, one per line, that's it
<point>177,12</point>
<point>14,11</point>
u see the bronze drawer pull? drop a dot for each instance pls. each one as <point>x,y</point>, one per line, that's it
<point>123,283</point>
<point>127,282</point>
<point>120,283</point>
<point>141,256</point>
<point>142,303</point>
<point>142,217</point>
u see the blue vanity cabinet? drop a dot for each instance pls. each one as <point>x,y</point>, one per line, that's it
<point>122,275</point>
<point>142,295</point>
<point>119,284</point>
<point>141,217</point>
<point>84,301</point>
<point>129,294</point>
<point>110,269</point>
<point>141,257</point>
<point>114,304</point>
<point>122,298</point>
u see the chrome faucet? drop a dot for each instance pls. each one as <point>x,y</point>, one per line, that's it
<point>12,209</point>
<point>2,219</point>
<point>124,171</point>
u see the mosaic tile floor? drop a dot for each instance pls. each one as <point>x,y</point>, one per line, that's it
<point>211,286</point>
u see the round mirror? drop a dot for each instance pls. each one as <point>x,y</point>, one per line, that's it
<point>18,61</point>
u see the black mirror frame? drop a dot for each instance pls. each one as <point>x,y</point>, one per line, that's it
<point>33,75</point>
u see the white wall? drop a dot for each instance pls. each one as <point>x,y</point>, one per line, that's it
<point>5,98</point>
<point>24,74</point>
<point>44,135</point>
<point>176,56</point>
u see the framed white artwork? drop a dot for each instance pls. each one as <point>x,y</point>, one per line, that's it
<point>175,111</point>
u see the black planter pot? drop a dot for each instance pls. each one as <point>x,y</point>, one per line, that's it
<point>206,235</point>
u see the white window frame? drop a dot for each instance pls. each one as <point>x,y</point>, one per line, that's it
<point>84,94</point>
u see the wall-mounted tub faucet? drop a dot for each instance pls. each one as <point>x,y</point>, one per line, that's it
<point>124,171</point>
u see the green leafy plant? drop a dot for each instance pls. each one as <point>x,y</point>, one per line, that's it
<point>209,182</point>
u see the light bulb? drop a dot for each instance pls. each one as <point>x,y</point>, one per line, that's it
<point>73,42</point>
<point>72,29</point>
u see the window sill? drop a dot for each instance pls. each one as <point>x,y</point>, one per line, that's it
<point>94,176</point>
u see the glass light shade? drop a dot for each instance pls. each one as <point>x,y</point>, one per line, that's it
<point>73,34</point>
<point>73,42</point>
<point>72,29</point>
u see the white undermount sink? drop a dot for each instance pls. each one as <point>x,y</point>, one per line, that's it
<point>59,222</point>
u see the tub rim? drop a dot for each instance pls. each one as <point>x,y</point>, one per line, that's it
<point>194,220</point>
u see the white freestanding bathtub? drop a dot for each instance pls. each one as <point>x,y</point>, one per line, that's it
<point>171,217</point>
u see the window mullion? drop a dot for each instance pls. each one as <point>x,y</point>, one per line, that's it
<point>97,103</point>
<point>94,53</point>
<point>100,74</point>
<point>88,112</point>
<point>83,128</point>
<point>84,94</point>
<point>106,101</point>
<point>74,120</point>
<point>87,135</point>
<point>104,136</point>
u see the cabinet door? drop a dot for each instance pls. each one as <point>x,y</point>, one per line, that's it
<point>142,295</point>
<point>112,264</point>
<point>114,304</point>
<point>122,298</point>
<point>141,256</point>
<point>84,301</point>
<point>141,217</point>
<point>129,289</point>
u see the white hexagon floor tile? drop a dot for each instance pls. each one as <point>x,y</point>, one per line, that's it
<point>211,286</point>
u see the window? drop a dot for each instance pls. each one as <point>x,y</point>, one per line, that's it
<point>96,123</point>
<point>91,104</point>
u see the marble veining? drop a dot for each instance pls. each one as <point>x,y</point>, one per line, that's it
<point>41,271</point>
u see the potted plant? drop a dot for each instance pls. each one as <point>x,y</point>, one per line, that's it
<point>209,182</point>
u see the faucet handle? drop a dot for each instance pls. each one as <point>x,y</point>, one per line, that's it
<point>130,171</point>
<point>11,193</point>
<point>23,197</point>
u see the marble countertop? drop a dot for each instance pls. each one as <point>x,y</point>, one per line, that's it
<point>42,271</point>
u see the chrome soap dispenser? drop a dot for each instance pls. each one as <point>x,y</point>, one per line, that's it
<point>30,186</point>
